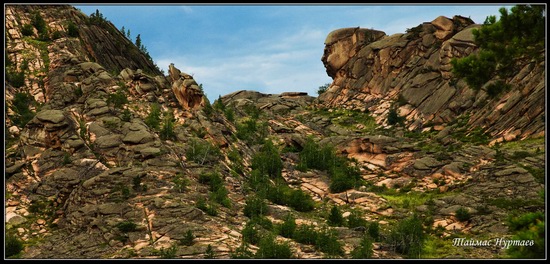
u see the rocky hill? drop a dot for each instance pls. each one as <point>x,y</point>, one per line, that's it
<point>106,157</point>
<point>411,73</point>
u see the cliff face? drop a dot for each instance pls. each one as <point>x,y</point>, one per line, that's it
<point>411,73</point>
<point>106,158</point>
<point>98,40</point>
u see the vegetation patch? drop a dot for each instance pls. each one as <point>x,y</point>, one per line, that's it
<point>21,107</point>
<point>519,33</point>
<point>342,173</point>
<point>408,237</point>
<point>201,151</point>
<point>528,227</point>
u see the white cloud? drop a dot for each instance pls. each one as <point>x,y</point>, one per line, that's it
<point>186,9</point>
<point>279,63</point>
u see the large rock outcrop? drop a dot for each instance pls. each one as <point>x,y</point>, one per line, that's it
<point>411,73</point>
<point>186,89</point>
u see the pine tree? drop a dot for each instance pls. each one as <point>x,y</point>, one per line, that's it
<point>138,41</point>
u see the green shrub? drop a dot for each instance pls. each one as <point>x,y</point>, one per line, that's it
<point>187,239</point>
<point>250,233</point>
<point>126,115</point>
<point>208,110</point>
<point>496,88</point>
<point>180,183</point>
<point>255,206</point>
<point>218,104</point>
<point>519,33</point>
<point>72,30</point>
<point>246,129</point>
<point>56,35</point>
<point>327,242</point>
<point>27,30</point>
<point>118,99</point>
<point>258,183</point>
<point>288,227</point>
<point>137,186</point>
<point>201,151</point>
<point>229,114</point>
<point>218,192</point>
<point>13,246</point>
<point>476,69</point>
<point>236,160</point>
<point>153,119</point>
<point>343,176</point>
<point>66,159</point>
<point>242,252</point>
<point>323,88</point>
<point>529,226</point>
<point>23,114</point>
<point>394,118</point>
<point>314,156</point>
<point>270,249</point>
<point>220,196</point>
<point>279,193</point>
<point>301,201</point>
<point>305,234</point>
<point>252,111</point>
<point>209,253</point>
<point>374,231</point>
<point>16,79</point>
<point>364,250</point>
<point>408,237</point>
<point>268,160</point>
<point>335,217</point>
<point>212,179</point>
<point>126,226</point>
<point>263,221</point>
<point>462,214</point>
<point>209,208</point>
<point>355,219</point>
<point>38,22</point>
<point>251,131</point>
<point>78,92</point>
<point>167,130</point>
<point>168,253</point>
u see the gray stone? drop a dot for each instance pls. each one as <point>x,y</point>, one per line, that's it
<point>14,219</point>
<point>515,170</point>
<point>112,208</point>
<point>426,163</point>
<point>53,116</point>
<point>108,141</point>
<point>150,152</point>
<point>91,67</point>
<point>66,174</point>
<point>138,137</point>
<point>15,167</point>
<point>98,130</point>
<point>77,143</point>
<point>99,111</point>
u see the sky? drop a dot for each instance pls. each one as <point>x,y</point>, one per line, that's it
<point>266,48</point>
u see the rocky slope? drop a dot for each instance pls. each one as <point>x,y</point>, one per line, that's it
<point>411,73</point>
<point>117,160</point>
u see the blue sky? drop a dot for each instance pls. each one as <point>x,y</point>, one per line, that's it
<point>267,48</point>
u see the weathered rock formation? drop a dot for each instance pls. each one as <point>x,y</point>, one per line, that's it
<point>186,89</point>
<point>412,73</point>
